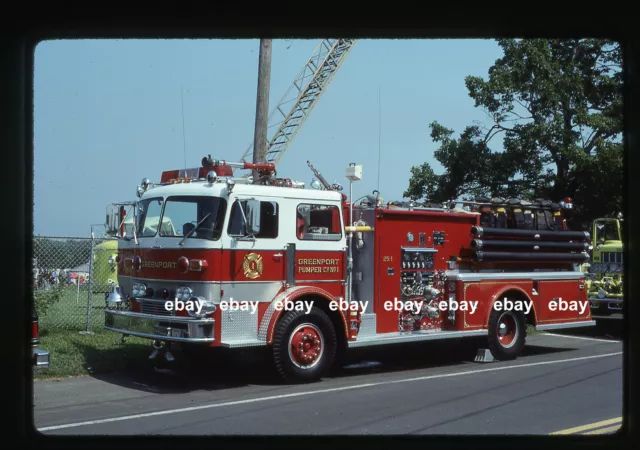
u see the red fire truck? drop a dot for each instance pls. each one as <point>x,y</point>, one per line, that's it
<point>219,261</point>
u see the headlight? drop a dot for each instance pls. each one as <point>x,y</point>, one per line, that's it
<point>139,290</point>
<point>184,293</point>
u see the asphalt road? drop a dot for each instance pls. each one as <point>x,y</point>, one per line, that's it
<point>561,383</point>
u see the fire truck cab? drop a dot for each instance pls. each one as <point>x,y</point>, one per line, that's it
<point>224,262</point>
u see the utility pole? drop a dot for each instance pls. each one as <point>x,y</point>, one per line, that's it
<point>262,105</point>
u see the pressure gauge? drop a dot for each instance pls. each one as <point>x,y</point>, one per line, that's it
<point>410,237</point>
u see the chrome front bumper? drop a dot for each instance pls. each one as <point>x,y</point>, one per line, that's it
<point>612,304</point>
<point>166,328</point>
<point>40,358</point>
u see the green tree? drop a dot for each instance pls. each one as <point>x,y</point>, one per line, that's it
<point>557,104</point>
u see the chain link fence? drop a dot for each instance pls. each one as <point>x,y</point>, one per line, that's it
<point>72,277</point>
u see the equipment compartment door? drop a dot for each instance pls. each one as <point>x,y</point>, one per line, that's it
<point>562,301</point>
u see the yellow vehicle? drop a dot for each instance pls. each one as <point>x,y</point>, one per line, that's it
<point>605,270</point>
<point>104,269</point>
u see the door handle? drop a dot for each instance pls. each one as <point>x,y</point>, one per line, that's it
<point>277,256</point>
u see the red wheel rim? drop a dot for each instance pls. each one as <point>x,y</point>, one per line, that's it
<point>507,329</point>
<point>306,346</point>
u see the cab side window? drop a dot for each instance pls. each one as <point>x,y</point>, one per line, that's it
<point>318,222</point>
<point>268,215</point>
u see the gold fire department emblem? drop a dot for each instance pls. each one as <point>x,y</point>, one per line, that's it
<point>252,265</point>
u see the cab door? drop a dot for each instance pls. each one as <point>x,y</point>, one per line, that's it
<point>253,263</point>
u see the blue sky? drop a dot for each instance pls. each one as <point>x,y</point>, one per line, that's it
<point>108,113</point>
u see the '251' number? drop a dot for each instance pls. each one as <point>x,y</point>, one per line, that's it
<point>387,258</point>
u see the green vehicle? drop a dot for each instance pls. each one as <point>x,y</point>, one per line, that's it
<point>604,273</point>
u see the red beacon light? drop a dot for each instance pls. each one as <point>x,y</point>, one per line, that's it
<point>188,175</point>
<point>183,264</point>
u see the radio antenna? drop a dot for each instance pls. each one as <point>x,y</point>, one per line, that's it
<point>184,140</point>
<point>379,146</point>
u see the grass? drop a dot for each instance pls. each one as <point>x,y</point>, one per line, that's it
<point>531,331</point>
<point>70,312</point>
<point>75,354</point>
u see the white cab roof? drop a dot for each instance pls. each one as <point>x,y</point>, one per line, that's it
<point>219,189</point>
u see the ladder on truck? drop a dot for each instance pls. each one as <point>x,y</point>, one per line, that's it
<point>304,92</point>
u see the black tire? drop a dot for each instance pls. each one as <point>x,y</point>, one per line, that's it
<point>306,329</point>
<point>507,333</point>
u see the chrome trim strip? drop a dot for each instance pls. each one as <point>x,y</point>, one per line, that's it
<point>164,280</point>
<point>158,336</point>
<point>420,249</point>
<point>155,300</point>
<point>320,281</point>
<point>176,319</point>
<point>243,344</point>
<point>129,250</point>
<point>535,276</point>
<point>392,338</point>
<point>555,326</point>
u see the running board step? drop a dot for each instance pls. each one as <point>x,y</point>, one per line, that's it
<point>413,336</point>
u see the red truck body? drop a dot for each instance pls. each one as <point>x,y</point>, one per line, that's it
<point>310,282</point>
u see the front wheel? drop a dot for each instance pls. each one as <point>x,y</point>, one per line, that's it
<point>304,345</point>
<point>507,334</point>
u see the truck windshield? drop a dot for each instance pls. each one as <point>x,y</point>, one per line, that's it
<point>607,231</point>
<point>200,217</point>
<point>148,217</point>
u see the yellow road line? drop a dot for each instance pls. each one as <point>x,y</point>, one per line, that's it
<point>591,426</point>
<point>612,429</point>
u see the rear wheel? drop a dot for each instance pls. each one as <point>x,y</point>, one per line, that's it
<point>304,345</point>
<point>507,334</point>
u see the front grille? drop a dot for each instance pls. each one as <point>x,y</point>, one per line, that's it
<point>612,257</point>
<point>155,307</point>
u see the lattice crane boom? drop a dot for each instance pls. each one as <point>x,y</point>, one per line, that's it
<point>305,91</point>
